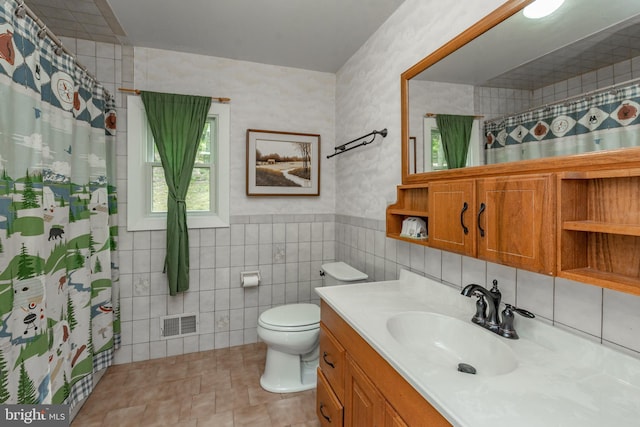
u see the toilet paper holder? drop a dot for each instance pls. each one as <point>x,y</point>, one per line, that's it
<point>250,278</point>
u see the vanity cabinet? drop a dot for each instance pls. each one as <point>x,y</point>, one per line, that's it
<point>332,361</point>
<point>362,389</point>
<point>328,407</point>
<point>331,369</point>
<point>363,404</point>
<point>392,418</point>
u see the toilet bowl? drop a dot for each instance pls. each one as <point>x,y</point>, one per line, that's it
<point>291,333</point>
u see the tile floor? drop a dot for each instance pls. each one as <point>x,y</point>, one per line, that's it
<point>218,388</point>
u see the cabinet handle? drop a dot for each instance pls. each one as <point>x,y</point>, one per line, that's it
<point>482,208</point>
<point>324,357</point>
<point>325,416</point>
<point>464,209</point>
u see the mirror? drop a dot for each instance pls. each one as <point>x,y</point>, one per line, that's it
<point>507,64</point>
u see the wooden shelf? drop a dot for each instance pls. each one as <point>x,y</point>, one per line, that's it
<point>599,239</point>
<point>602,227</point>
<point>609,173</point>
<point>407,212</point>
<point>408,239</point>
<point>412,201</point>
<point>412,186</point>
<point>604,279</point>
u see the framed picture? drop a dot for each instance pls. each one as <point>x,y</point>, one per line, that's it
<point>282,163</point>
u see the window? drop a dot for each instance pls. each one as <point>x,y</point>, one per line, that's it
<point>435,156</point>
<point>208,195</point>
<point>438,161</point>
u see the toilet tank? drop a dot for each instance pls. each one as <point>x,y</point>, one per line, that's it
<point>340,273</point>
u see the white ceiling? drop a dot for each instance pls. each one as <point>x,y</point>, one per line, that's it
<point>322,35</point>
<point>80,19</point>
<point>316,35</point>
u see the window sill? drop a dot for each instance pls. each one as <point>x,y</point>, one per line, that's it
<point>193,222</point>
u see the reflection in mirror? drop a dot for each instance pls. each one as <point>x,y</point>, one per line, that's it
<point>433,153</point>
<point>560,85</point>
<point>451,99</point>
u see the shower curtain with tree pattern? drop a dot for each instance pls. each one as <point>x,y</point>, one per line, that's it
<point>58,237</point>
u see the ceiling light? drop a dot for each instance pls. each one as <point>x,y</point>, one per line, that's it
<point>541,8</point>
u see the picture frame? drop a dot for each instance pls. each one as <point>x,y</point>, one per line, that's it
<point>282,163</point>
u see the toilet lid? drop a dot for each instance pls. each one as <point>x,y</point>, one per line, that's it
<point>343,272</point>
<point>291,315</point>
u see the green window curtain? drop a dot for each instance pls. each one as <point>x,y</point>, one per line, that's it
<point>456,133</point>
<point>177,122</point>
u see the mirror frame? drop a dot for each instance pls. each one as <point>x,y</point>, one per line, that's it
<point>509,8</point>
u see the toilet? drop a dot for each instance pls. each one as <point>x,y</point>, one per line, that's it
<point>291,333</point>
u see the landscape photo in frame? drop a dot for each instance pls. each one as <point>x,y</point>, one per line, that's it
<point>282,163</point>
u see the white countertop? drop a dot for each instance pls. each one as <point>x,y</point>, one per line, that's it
<point>561,379</point>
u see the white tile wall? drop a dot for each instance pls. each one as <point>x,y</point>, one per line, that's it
<point>598,314</point>
<point>287,249</point>
<point>535,292</point>
<point>620,319</point>
<point>228,313</point>
<point>578,306</point>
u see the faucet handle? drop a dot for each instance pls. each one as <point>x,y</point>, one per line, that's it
<point>481,309</point>
<point>506,326</point>
<point>520,311</point>
<point>496,292</point>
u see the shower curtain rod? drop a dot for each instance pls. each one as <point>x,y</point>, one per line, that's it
<point>436,115</point>
<point>137,92</point>
<point>568,100</point>
<point>45,31</point>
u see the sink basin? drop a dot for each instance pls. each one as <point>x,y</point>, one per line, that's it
<point>448,341</point>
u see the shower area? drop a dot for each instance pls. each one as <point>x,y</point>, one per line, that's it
<point>58,205</point>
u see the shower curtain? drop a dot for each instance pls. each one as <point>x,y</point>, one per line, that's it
<point>58,235</point>
<point>604,121</point>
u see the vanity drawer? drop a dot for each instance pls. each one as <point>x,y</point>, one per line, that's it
<point>332,361</point>
<point>328,407</point>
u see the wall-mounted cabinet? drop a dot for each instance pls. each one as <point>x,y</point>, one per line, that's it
<point>508,220</point>
<point>576,217</point>
<point>451,218</point>
<point>599,221</point>
<point>515,221</point>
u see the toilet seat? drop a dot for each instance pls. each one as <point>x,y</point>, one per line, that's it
<point>291,318</point>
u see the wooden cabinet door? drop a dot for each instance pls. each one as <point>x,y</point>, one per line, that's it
<point>363,404</point>
<point>516,221</point>
<point>391,417</point>
<point>328,408</point>
<point>452,216</point>
<point>331,360</point>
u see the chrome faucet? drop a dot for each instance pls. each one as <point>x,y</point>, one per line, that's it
<point>490,299</point>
